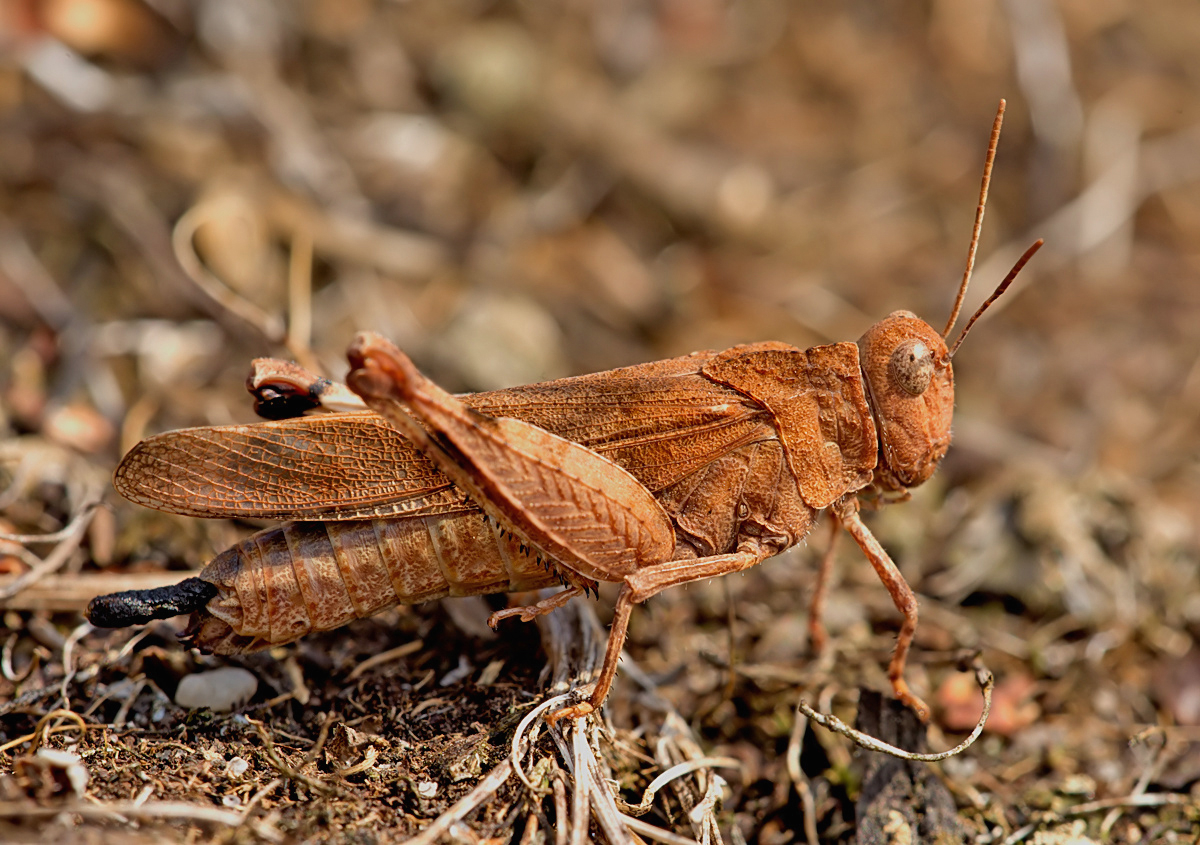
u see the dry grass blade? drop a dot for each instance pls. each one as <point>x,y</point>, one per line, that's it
<point>44,730</point>
<point>571,636</point>
<point>800,781</point>
<point>385,657</point>
<point>68,541</point>
<point>71,593</point>
<point>678,771</point>
<point>472,801</point>
<point>268,325</point>
<point>144,811</point>
<point>581,785</point>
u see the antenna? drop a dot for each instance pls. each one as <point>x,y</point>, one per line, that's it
<point>1008,280</point>
<point>983,191</point>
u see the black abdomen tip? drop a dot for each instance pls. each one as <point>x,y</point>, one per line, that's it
<point>136,607</point>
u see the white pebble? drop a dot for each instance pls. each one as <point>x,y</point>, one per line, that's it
<point>427,789</point>
<point>236,767</point>
<point>70,763</point>
<point>221,689</point>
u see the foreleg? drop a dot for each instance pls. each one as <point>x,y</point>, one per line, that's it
<point>902,596</point>
<point>817,638</point>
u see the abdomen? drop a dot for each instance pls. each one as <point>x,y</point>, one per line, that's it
<point>280,584</point>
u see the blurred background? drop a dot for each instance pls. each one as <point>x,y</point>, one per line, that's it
<point>516,191</point>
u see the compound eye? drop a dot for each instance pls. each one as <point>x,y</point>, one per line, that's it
<point>911,367</point>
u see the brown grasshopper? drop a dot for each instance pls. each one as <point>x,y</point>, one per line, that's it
<point>647,476</point>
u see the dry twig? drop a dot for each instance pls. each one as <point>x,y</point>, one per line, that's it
<point>830,722</point>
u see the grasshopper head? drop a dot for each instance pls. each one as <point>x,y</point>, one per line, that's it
<point>910,386</point>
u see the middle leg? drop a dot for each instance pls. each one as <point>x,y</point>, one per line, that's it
<point>638,587</point>
<point>541,608</point>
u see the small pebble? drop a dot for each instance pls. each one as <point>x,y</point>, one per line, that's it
<point>69,764</point>
<point>220,690</point>
<point>236,767</point>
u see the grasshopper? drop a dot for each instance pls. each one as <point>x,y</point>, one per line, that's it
<point>648,476</point>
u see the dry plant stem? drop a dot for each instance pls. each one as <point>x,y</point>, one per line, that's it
<point>71,593</point>
<point>1019,834</point>
<point>570,637</point>
<point>704,813</point>
<point>561,826</point>
<point>1150,771</point>
<point>610,819</point>
<point>589,795</point>
<point>299,326</point>
<point>582,786</point>
<point>698,798</point>
<point>641,828</point>
<point>68,660</point>
<point>830,722</point>
<point>678,771</point>
<point>183,241</point>
<point>147,810</point>
<point>127,704</point>
<point>42,731</point>
<point>568,820</point>
<point>322,737</point>
<point>462,808</point>
<point>515,749</point>
<point>385,657</point>
<point>1154,799</point>
<point>71,536</point>
<point>258,796</point>
<point>284,768</point>
<point>63,533</point>
<point>569,641</point>
<point>6,662</point>
<point>530,836</point>
<point>800,782</point>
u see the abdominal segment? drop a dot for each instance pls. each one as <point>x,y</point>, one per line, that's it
<point>285,582</point>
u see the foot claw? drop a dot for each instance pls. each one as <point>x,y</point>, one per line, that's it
<point>575,711</point>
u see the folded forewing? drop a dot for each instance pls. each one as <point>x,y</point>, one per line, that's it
<point>334,466</point>
<point>356,466</point>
